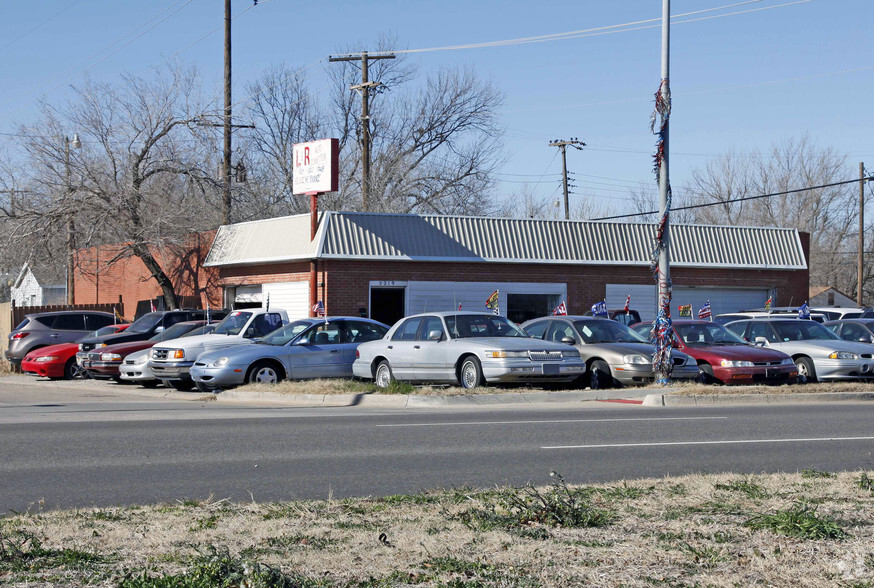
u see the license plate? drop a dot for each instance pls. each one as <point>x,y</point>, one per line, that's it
<point>550,369</point>
<point>771,373</point>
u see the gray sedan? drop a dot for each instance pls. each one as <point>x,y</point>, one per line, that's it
<point>303,349</point>
<point>818,353</point>
<point>469,348</point>
<point>614,354</point>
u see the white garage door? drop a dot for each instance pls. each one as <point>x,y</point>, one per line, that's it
<point>436,296</point>
<point>292,297</point>
<point>722,300</point>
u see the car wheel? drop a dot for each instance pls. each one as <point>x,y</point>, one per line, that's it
<point>705,374</point>
<point>806,371</point>
<point>471,373</point>
<point>149,383</point>
<point>264,373</point>
<point>182,385</point>
<point>599,375</point>
<point>383,376</point>
<point>72,371</point>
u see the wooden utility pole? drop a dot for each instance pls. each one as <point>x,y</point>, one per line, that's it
<point>860,269</point>
<point>576,144</point>
<point>364,89</point>
<point>226,165</point>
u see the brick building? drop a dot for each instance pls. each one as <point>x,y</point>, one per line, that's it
<point>387,266</point>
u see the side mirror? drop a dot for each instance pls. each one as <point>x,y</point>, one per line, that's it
<point>675,344</point>
<point>302,341</point>
<point>435,335</point>
<point>864,339</point>
<point>568,340</point>
<point>250,332</point>
<point>762,342</point>
<point>159,329</point>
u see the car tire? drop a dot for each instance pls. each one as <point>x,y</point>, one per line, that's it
<point>264,373</point>
<point>599,375</point>
<point>72,371</point>
<point>705,374</point>
<point>182,385</point>
<point>149,383</point>
<point>470,374</point>
<point>806,371</point>
<point>383,376</point>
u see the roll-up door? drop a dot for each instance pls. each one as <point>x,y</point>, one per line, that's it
<point>722,300</point>
<point>292,297</point>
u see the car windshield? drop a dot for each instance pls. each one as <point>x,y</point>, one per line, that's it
<point>606,331</point>
<point>285,334</point>
<point>702,334</point>
<point>173,332</point>
<point>145,323</point>
<point>233,323</point>
<point>482,325</point>
<point>801,330</point>
<point>204,330</point>
<point>104,331</point>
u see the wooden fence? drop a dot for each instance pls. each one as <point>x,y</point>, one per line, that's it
<point>19,312</point>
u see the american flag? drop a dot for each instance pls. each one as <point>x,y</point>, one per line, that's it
<point>561,309</point>
<point>627,303</point>
<point>319,308</point>
<point>705,312</point>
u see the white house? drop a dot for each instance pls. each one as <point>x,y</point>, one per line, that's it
<point>38,287</point>
<point>824,296</point>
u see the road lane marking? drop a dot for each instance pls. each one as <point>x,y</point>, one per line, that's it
<point>729,442</point>
<point>480,423</point>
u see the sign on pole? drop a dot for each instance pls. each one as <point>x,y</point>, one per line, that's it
<point>316,166</point>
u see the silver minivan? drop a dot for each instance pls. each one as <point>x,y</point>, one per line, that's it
<point>50,328</point>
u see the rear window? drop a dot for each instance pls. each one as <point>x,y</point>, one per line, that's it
<point>47,321</point>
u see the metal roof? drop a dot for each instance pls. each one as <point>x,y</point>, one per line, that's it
<point>368,236</point>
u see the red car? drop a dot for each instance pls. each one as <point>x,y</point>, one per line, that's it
<point>59,361</point>
<point>725,358</point>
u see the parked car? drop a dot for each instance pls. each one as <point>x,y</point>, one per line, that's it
<point>858,330</point>
<point>467,348</point>
<point>787,312</point>
<point>50,328</point>
<point>620,315</point>
<point>614,354</point>
<point>59,361</point>
<point>818,353</point>
<point>171,361</point>
<point>303,349</point>
<point>147,326</point>
<point>725,318</point>
<point>725,358</point>
<point>837,313</point>
<point>103,362</point>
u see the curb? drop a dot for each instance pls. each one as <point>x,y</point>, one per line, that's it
<point>717,399</point>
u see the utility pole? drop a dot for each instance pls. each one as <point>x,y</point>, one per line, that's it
<point>74,142</point>
<point>226,165</point>
<point>364,89</point>
<point>860,268</point>
<point>576,144</point>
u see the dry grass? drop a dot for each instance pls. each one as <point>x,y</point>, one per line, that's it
<point>682,531</point>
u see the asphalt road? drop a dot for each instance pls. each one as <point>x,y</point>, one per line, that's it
<point>82,448</point>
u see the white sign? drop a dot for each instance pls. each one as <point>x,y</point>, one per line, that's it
<point>316,166</point>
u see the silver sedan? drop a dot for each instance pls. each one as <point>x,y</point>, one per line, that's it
<point>614,354</point>
<point>465,348</point>
<point>303,349</point>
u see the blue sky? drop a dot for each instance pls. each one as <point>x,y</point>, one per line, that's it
<point>739,81</point>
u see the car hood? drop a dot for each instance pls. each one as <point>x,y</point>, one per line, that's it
<point>736,352</point>
<point>125,348</point>
<point>208,341</point>
<point>242,353</point>
<point>58,349</point>
<point>825,346</point>
<point>115,338</point>
<point>620,349</point>
<point>138,354</point>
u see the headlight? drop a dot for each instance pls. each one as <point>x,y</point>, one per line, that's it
<point>729,363</point>
<point>636,359</point>
<point>506,354</point>
<point>110,357</point>
<point>100,345</point>
<point>842,355</point>
<point>141,359</point>
<point>81,347</point>
<point>220,362</point>
<point>570,353</point>
<point>787,361</point>
<point>46,358</point>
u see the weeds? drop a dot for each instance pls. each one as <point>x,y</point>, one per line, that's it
<point>744,486</point>
<point>21,550</point>
<point>865,483</point>
<point>627,492</point>
<point>812,473</point>
<point>799,521</point>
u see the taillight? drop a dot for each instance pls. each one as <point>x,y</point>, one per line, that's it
<point>20,335</point>
<point>357,354</point>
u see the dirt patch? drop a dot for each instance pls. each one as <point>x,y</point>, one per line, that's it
<point>801,529</point>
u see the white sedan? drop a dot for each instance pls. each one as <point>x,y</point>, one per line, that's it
<point>466,348</point>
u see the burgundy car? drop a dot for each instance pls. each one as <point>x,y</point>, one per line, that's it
<point>725,358</point>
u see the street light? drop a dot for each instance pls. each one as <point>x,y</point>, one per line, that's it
<point>75,143</point>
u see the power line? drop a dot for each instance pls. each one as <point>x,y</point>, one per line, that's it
<point>722,202</point>
<point>40,25</point>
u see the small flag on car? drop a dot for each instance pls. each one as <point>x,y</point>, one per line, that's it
<point>685,310</point>
<point>319,308</point>
<point>459,306</point>
<point>705,312</point>
<point>600,309</point>
<point>768,303</point>
<point>627,303</point>
<point>152,306</point>
<point>492,302</point>
<point>804,312</point>
<point>560,310</point>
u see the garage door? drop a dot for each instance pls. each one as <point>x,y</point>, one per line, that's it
<point>517,301</point>
<point>292,297</point>
<point>722,300</point>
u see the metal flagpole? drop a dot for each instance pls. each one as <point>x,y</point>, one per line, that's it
<point>663,332</point>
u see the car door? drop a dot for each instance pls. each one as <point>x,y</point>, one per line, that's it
<point>431,357</point>
<point>356,333</point>
<point>855,332</point>
<point>321,355</point>
<point>68,328</point>
<point>399,349</point>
